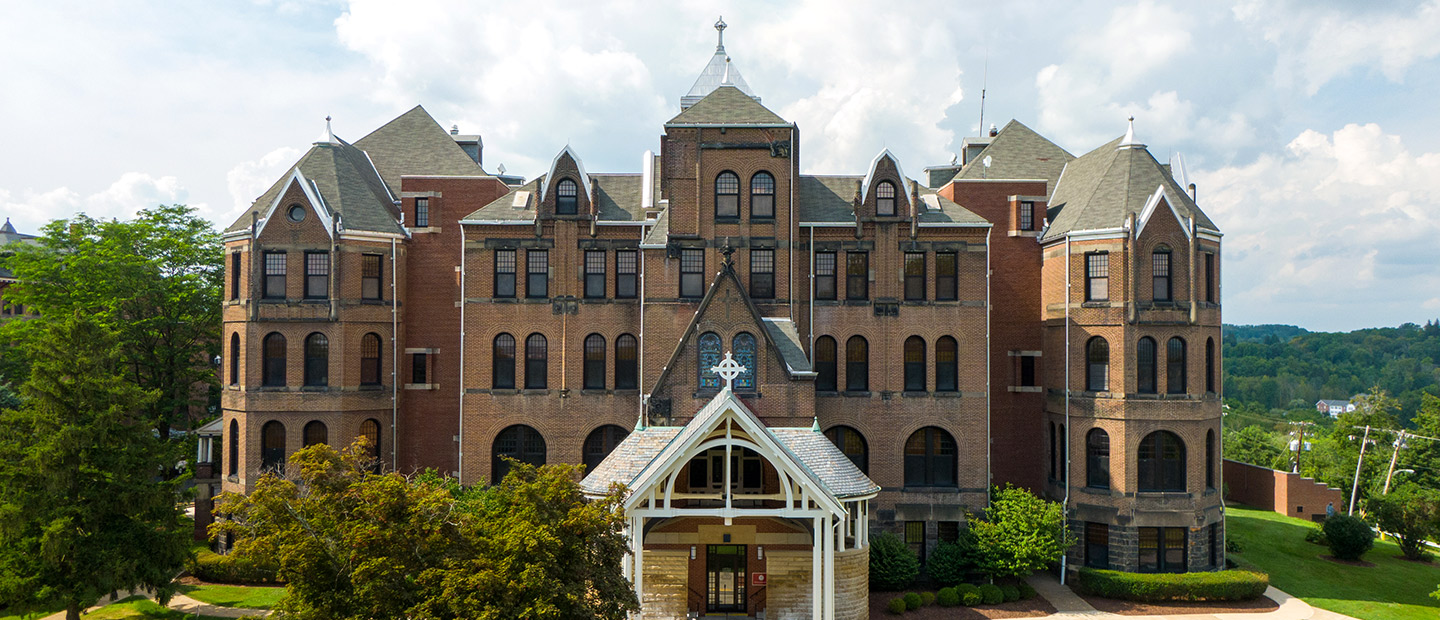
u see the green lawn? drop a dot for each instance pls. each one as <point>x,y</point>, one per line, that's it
<point>140,608</point>
<point>248,597</point>
<point>1393,589</point>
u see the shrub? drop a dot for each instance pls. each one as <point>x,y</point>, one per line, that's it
<point>1229,585</point>
<point>1019,533</point>
<point>897,605</point>
<point>893,566</point>
<point>1027,591</point>
<point>971,598</point>
<point>1011,592</point>
<point>927,599</point>
<point>1410,514</point>
<point>990,594</point>
<point>1314,535</point>
<point>1349,537</point>
<point>953,562</point>
<point>213,567</point>
<point>913,601</point>
<point>948,597</point>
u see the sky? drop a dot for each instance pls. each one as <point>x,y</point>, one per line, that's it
<point>1309,127</point>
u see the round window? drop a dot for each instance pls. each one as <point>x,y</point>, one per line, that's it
<point>297,213</point>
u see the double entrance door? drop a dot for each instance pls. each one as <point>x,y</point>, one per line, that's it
<point>725,577</point>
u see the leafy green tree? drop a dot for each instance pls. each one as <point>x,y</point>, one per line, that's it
<point>893,566</point>
<point>1255,446</point>
<point>1410,513</point>
<point>953,562</point>
<point>1019,533</point>
<point>83,512</point>
<point>1424,455</point>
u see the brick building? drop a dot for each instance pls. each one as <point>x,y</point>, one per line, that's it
<point>1021,306</point>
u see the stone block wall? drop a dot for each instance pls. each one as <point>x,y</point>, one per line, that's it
<point>790,586</point>
<point>852,584</point>
<point>665,575</point>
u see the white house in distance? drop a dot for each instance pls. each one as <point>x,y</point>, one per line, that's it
<point>1334,407</point>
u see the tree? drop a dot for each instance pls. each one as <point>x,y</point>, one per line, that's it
<point>953,562</point>
<point>893,566</point>
<point>1410,513</point>
<point>1019,533</point>
<point>83,512</point>
<point>155,281</point>
<point>352,544</point>
<point>1425,455</point>
<point>1255,446</point>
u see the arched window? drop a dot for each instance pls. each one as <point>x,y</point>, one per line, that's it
<point>857,365</point>
<point>762,195</point>
<point>1210,459</point>
<point>594,371</point>
<point>1175,366</point>
<point>600,443</point>
<point>536,362</point>
<point>825,364</point>
<point>235,358</point>
<point>627,365</point>
<point>852,444</point>
<point>315,432</point>
<point>370,359</point>
<point>317,360</point>
<point>947,366</point>
<point>518,442</point>
<point>930,458</point>
<point>914,364</point>
<point>1160,273</point>
<point>1210,365</point>
<point>1161,463</point>
<point>1097,459</point>
<point>234,465</point>
<point>370,431</point>
<point>1145,366</point>
<point>727,195</point>
<point>502,363</point>
<point>272,446</point>
<point>707,357</point>
<point>274,368</point>
<point>1097,365</point>
<point>885,198</point>
<point>744,345</point>
<point>567,198</point>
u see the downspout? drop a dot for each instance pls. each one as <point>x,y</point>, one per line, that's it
<point>460,444</point>
<point>1065,506</point>
<point>812,296</point>
<point>793,224</point>
<point>1194,299</point>
<point>640,371</point>
<point>989,352</point>
<point>394,357</point>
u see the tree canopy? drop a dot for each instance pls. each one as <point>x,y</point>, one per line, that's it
<point>1019,533</point>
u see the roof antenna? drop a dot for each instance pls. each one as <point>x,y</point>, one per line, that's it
<point>984,81</point>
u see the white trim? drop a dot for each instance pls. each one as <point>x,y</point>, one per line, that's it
<point>312,195</point>
<point>1150,208</point>
<point>870,176</point>
<point>1209,235</point>
<point>366,235</point>
<point>957,180</point>
<point>498,222</point>
<point>579,166</point>
<point>954,225</point>
<point>624,223</point>
<point>393,199</point>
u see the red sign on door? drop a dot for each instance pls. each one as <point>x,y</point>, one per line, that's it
<point>757,580</point>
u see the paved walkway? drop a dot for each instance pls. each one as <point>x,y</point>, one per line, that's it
<point>178,602</point>
<point>1069,606</point>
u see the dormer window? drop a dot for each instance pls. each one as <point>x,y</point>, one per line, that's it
<point>762,196</point>
<point>885,198</point>
<point>566,197</point>
<point>727,195</point>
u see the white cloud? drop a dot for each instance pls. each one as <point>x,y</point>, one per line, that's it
<point>248,179</point>
<point>29,210</point>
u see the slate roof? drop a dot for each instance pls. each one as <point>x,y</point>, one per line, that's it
<point>347,183</point>
<point>503,208</point>
<point>822,458</point>
<point>659,233</point>
<point>617,197</point>
<point>787,341</point>
<point>629,458</point>
<point>830,199</point>
<point>1101,188</point>
<point>414,143</point>
<point>1017,152</point>
<point>727,105</point>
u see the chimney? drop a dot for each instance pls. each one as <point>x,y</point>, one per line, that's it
<point>993,131</point>
<point>454,130</point>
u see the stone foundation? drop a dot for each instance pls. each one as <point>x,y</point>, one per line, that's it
<point>666,573</point>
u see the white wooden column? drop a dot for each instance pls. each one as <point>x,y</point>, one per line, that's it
<point>817,593</point>
<point>829,567</point>
<point>637,546</point>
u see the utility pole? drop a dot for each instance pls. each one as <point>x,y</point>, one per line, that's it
<point>1300,442</point>
<point>1356,485</point>
<point>1399,443</point>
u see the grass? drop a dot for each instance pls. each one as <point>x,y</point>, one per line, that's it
<point>1393,589</point>
<point>140,608</point>
<point>247,597</point>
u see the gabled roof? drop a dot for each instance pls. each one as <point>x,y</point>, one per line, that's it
<point>617,199</point>
<point>579,166</point>
<point>1101,188</point>
<point>870,178</point>
<point>727,105</point>
<point>1017,152</point>
<point>829,199</point>
<point>347,183</point>
<point>414,143</point>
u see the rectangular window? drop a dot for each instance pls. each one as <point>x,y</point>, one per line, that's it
<point>946,276</point>
<point>1162,549</point>
<point>627,274</point>
<point>947,531</point>
<point>1160,275</point>
<point>274,275</point>
<point>235,275</point>
<point>915,537</point>
<point>1209,277</point>
<point>422,212</point>
<point>699,473</point>
<point>1217,546</point>
<point>1027,216</point>
<point>1027,371</point>
<point>418,368</point>
<point>595,274</point>
<point>537,273</point>
<point>914,276</point>
<point>825,275</point>
<point>505,274</point>
<point>857,275</point>
<point>317,275</point>
<point>1097,277</point>
<point>762,273</point>
<point>370,269</point>
<point>1097,545</point>
<point>692,272</point>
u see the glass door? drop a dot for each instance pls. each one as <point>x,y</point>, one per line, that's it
<point>725,578</point>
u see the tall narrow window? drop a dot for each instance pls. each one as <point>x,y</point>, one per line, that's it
<point>233,439</point>
<point>272,446</point>
<point>537,274</point>
<point>857,365</point>
<point>315,433</point>
<point>370,270</point>
<point>762,195</point>
<point>1145,366</point>
<point>707,356</point>
<point>1161,465</point>
<point>885,198</point>
<point>857,275</point>
<point>1162,549</point>
<point>627,274</point>
<point>1175,366</point>
<point>930,458</point>
<point>600,443</point>
<point>235,358</point>
<point>594,274</point>
<point>1097,459</point>
<point>627,367</point>
<point>825,364</point>
<point>727,195</point>
<point>744,345</point>
<point>1210,459</point>
<point>536,362</point>
<point>370,432</point>
<point>947,367</point>
<point>274,276</point>
<point>505,273</point>
<point>914,364</point>
<point>594,370</point>
<point>1027,371</point>
<point>1160,274</point>
<point>946,276</point>
<point>1097,365</point>
<point>1097,545</point>
<point>1027,216</point>
<point>824,275</point>
<point>502,363</point>
<point>317,360</point>
<point>317,275</point>
<point>852,444</point>
<point>235,258</point>
<point>762,273</point>
<point>520,443</point>
<point>1097,277</point>
<point>1209,277</point>
<point>567,197</point>
<point>370,359</point>
<point>1210,365</point>
<point>422,212</point>
<point>915,276</point>
<point>692,270</point>
<point>274,354</point>
<point>419,368</point>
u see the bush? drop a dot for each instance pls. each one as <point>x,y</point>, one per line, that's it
<point>1349,537</point>
<point>1019,533</point>
<point>1232,545</point>
<point>990,594</point>
<point>1314,535</point>
<point>897,605</point>
<point>1229,585</point>
<point>953,562</point>
<point>1011,592</point>
<point>971,598</point>
<point>913,601</point>
<point>893,566</point>
<point>948,597</point>
<point>927,599</point>
<point>213,567</point>
<point>1410,514</point>
<point>1027,591</point>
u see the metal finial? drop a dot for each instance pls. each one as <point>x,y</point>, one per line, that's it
<point>720,28</point>
<point>815,425</point>
<point>726,79</point>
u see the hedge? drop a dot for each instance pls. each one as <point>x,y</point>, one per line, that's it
<point>898,606</point>
<point>991,594</point>
<point>1228,585</point>
<point>215,568</point>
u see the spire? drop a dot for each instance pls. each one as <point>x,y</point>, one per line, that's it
<point>720,26</point>
<point>329,136</point>
<point>1129,141</point>
<point>718,72</point>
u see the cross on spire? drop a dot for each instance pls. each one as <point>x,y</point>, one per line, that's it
<point>728,369</point>
<point>720,28</point>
